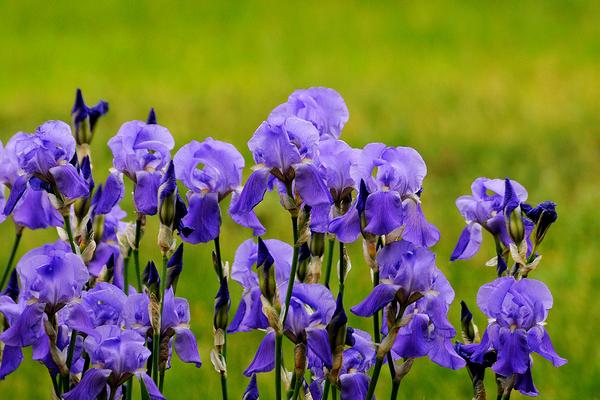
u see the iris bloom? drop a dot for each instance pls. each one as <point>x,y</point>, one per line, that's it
<point>391,180</point>
<point>410,279</point>
<point>116,355</point>
<point>517,311</point>
<point>220,173</point>
<point>140,151</point>
<point>323,107</point>
<point>44,160</point>
<point>286,152</point>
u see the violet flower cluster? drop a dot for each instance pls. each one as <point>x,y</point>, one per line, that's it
<point>516,306</point>
<point>98,312</point>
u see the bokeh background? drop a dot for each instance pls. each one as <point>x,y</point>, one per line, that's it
<point>503,89</point>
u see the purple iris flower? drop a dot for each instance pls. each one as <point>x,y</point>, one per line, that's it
<point>220,173</point>
<point>101,305</point>
<point>323,107</point>
<point>34,209</point>
<point>336,159</point>
<point>116,355</point>
<point>411,280</point>
<point>140,151</point>
<point>286,151</point>
<point>175,322</point>
<point>249,314</point>
<point>44,162</point>
<point>52,274</point>
<point>85,118</point>
<point>391,180</point>
<point>484,209</point>
<point>251,392</point>
<point>517,310</point>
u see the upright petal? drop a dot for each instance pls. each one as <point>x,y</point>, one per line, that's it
<point>418,230</point>
<point>310,186</point>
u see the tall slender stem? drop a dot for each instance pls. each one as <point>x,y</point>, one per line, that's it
<point>342,269</point>
<point>66,377</point>
<point>136,252</point>
<point>297,387</point>
<point>326,389</point>
<point>126,272</point>
<point>288,297</point>
<point>334,393</point>
<point>376,323</point>
<point>375,377</point>
<point>11,259</point>
<point>278,344</point>
<point>395,387</point>
<point>223,349</point>
<point>156,336</point>
<point>330,246</point>
<point>288,294</point>
<point>218,256</point>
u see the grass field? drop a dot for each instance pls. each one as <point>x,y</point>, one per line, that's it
<point>508,89</point>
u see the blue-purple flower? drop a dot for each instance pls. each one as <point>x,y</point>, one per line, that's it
<point>141,150</point>
<point>286,151</point>
<point>116,355</point>
<point>390,183</point>
<point>323,107</point>
<point>484,209</point>
<point>220,173</point>
<point>416,295</point>
<point>44,161</point>
<point>517,311</point>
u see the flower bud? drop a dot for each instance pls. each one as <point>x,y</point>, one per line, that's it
<point>167,196</point>
<point>469,329</point>
<point>303,259</point>
<point>543,215</point>
<point>266,272</point>
<point>317,244</point>
<point>300,359</point>
<point>337,330</point>
<point>151,280</point>
<point>512,213</point>
<point>174,268</point>
<point>85,118</point>
<point>222,304</point>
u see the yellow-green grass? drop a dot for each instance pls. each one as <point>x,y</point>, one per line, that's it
<point>498,90</point>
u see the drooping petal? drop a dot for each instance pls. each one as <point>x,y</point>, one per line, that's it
<point>469,242</point>
<point>94,381</point>
<point>310,185</point>
<point>69,182</point>
<point>346,227</point>
<point>264,360</point>
<point>524,384</point>
<point>418,230</point>
<point>203,220</point>
<point>27,328</point>
<point>12,356</point>
<point>513,352</point>
<point>35,211</point>
<point>379,297</point>
<point>249,315</point>
<point>242,204</point>
<point>539,341</point>
<point>318,343</point>
<point>251,392</point>
<point>384,212</point>
<point>16,192</point>
<point>145,194</point>
<point>186,346</point>
<point>354,386</point>
<point>151,387</point>
<point>443,353</point>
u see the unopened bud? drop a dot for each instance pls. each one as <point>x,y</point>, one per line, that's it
<point>300,359</point>
<point>469,329</point>
<point>222,304</point>
<point>266,272</point>
<point>516,229</point>
<point>317,244</point>
<point>303,259</point>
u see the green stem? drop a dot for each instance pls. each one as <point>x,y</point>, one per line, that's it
<point>326,389</point>
<point>342,269</point>
<point>290,391</point>
<point>161,379</point>
<point>395,387</point>
<point>136,252</point>
<point>278,345</point>
<point>11,259</point>
<point>126,272</point>
<point>69,230</point>
<point>330,245</point>
<point>218,255</point>
<point>297,387</point>
<point>55,386</point>
<point>334,393</point>
<point>129,391</point>
<point>375,377</point>
<point>390,362</point>
<point>224,386</point>
<point>376,323</point>
<point>288,294</point>
<point>156,336</point>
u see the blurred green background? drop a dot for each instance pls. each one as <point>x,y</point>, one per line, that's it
<point>502,89</point>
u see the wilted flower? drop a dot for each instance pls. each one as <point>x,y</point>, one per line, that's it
<point>220,174</point>
<point>141,150</point>
<point>388,202</point>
